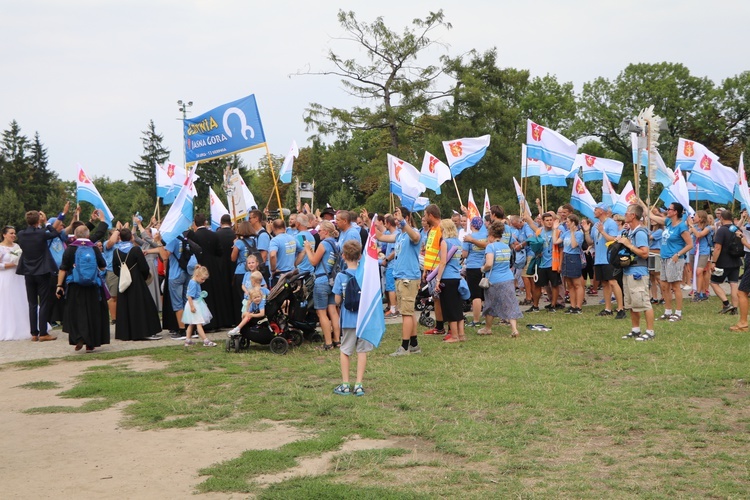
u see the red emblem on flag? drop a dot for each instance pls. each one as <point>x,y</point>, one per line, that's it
<point>397,171</point>
<point>676,177</point>
<point>456,149</point>
<point>372,244</point>
<point>630,198</point>
<point>706,163</point>
<point>433,162</point>
<point>536,132</point>
<point>589,160</point>
<point>688,150</point>
<point>82,177</point>
<point>170,170</point>
<point>580,188</point>
<point>212,200</point>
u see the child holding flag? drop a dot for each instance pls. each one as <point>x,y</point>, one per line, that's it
<point>351,252</point>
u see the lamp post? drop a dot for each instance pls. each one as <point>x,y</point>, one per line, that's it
<point>183,107</point>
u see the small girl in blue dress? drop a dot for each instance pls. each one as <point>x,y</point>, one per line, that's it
<point>196,311</point>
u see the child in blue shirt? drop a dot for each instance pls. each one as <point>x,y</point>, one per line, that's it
<point>254,312</point>
<point>196,312</point>
<point>351,252</point>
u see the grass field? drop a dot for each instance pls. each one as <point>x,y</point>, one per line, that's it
<point>573,412</point>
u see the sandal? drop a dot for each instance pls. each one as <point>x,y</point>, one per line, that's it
<point>208,343</point>
<point>451,340</point>
<point>738,328</point>
<point>484,331</point>
<point>514,334</point>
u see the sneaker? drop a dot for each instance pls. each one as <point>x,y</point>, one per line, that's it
<point>401,351</point>
<point>560,307</point>
<point>188,343</point>
<point>727,309</point>
<point>472,324</point>
<point>414,349</point>
<point>434,331</point>
<point>569,310</point>
<point>234,331</point>
<point>532,309</point>
<point>686,287</point>
<point>208,343</point>
<point>621,314</point>
<point>674,317</point>
<point>390,314</point>
<point>604,312</point>
<point>342,390</point>
<point>179,335</point>
<point>645,336</point>
<point>576,310</point>
<point>631,335</point>
<point>591,291</point>
<point>153,337</point>
<point>358,390</point>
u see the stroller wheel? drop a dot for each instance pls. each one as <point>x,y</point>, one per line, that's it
<point>316,337</point>
<point>230,344</point>
<point>419,306</point>
<point>279,345</point>
<point>427,321</point>
<point>239,344</point>
<point>295,336</point>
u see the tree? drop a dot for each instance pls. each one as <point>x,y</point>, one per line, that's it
<point>391,79</point>
<point>153,153</point>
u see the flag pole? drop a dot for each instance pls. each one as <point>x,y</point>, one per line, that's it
<point>275,185</point>
<point>459,194</point>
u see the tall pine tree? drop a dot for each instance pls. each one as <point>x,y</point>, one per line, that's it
<point>153,153</point>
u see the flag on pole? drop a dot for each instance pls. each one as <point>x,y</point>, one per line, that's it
<point>465,153</point>
<point>677,192</point>
<point>248,196</point>
<point>549,146</point>
<point>403,174</point>
<point>434,172</point>
<point>594,168</point>
<point>698,193</point>
<point>689,152</point>
<point>471,210</point>
<point>663,174</point>
<point>634,147</point>
<point>285,174</point>
<point>609,195</point>
<point>529,166</point>
<point>86,191</point>
<point>524,205</point>
<point>370,317</point>
<point>554,176</point>
<point>741,191</point>
<point>625,199</point>
<point>708,173</point>
<point>176,176</point>
<point>180,215</point>
<point>581,199</point>
<point>163,182</point>
<point>217,209</point>
<point>486,207</point>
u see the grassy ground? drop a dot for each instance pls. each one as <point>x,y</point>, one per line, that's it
<point>573,412</point>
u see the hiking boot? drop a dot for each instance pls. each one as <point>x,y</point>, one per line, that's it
<point>342,390</point>
<point>604,312</point>
<point>621,314</point>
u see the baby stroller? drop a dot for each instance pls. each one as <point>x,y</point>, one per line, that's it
<point>274,330</point>
<point>425,304</point>
<point>301,314</point>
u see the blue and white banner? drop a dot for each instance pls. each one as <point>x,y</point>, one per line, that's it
<point>554,176</point>
<point>550,147</point>
<point>370,317</point>
<point>465,153</point>
<point>581,199</point>
<point>285,174</point>
<point>86,191</point>
<point>595,168</point>
<point>217,209</point>
<point>180,215</point>
<point>229,129</point>
<point>741,191</point>
<point>677,192</point>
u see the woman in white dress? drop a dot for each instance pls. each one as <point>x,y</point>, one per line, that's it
<point>13,305</point>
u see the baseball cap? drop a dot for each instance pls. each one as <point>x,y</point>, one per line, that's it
<point>602,206</point>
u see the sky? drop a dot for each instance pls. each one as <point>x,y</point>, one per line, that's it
<point>89,75</point>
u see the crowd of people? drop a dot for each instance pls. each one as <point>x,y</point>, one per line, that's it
<point>88,277</point>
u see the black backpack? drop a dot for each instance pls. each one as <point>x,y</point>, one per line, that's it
<point>735,248</point>
<point>189,248</point>
<point>252,249</point>
<point>352,293</point>
<point>618,255</point>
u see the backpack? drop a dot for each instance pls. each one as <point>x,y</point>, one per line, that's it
<point>252,249</point>
<point>85,270</point>
<point>352,293</point>
<point>735,248</point>
<point>618,255</point>
<point>336,267</point>
<point>189,248</point>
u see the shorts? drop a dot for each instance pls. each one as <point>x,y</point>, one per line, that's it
<point>350,342</point>
<point>450,301</point>
<point>654,257</point>
<point>406,294</point>
<point>745,281</point>
<point>528,260</point>
<point>604,272</point>
<point>178,290</point>
<point>702,260</point>
<point>588,270</point>
<point>390,282</point>
<point>571,266</point>
<point>113,282</point>
<point>635,293</point>
<point>323,295</point>
<point>547,276</point>
<point>671,272</point>
<point>730,274</point>
<point>473,277</point>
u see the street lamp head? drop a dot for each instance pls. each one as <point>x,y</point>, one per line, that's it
<point>190,103</point>
<point>628,126</point>
<point>179,103</point>
<point>661,124</point>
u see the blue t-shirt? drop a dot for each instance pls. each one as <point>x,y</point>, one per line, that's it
<point>406,264</point>
<point>243,248</point>
<point>292,231</point>
<point>348,318</point>
<point>194,289</point>
<point>453,266</point>
<point>390,246</point>
<point>252,307</point>
<point>546,261</point>
<point>671,239</point>
<point>600,242</point>
<point>304,265</point>
<point>655,239</point>
<point>475,257</point>
<point>501,265</point>
<point>175,251</point>
<point>109,253</point>
<point>328,260</point>
<point>352,233</point>
<point>567,240</point>
<point>639,237</point>
<point>704,247</point>
<point>263,241</point>
<point>285,246</point>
